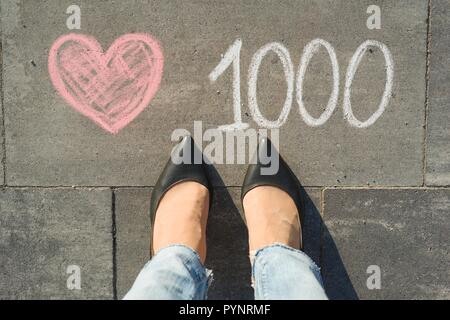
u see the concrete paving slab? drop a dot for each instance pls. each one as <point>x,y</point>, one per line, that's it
<point>438,147</point>
<point>50,144</point>
<point>2,169</point>
<point>50,236</point>
<point>227,240</point>
<point>133,234</point>
<point>403,232</point>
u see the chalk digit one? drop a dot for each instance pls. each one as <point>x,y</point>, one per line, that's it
<point>288,68</point>
<point>308,53</point>
<point>74,20</point>
<point>351,70</point>
<point>232,56</point>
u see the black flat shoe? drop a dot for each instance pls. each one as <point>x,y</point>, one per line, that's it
<point>175,173</point>
<point>283,178</point>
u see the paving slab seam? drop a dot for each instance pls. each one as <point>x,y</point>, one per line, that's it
<point>444,186</point>
<point>3,109</point>
<point>114,242</point>
<point>57,187</point>
<point>322,213</point>
<point>322,199</point>
<point>389,188</point>
<point>427,83</point>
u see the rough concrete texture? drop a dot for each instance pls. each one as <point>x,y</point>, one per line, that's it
<point>404,232</point>
<point>438,146</point>
<point>2,156</point>
<point>44,231</point>
<point>133,234</point>
<point>227,240</point>
<point>2,151</point>
<point>49,144</point>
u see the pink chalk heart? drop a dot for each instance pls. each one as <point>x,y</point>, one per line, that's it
<point>110,88</point>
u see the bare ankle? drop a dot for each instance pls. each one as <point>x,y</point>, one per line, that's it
<point>272,217</point>
<point>181,218</point>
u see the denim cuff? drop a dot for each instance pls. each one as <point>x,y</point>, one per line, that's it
<point>191,259</point>
<point>255,254</point>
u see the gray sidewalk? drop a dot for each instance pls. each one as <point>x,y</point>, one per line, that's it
<point>74,194</point>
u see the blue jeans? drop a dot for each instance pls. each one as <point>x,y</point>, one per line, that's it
<point>278,271</point>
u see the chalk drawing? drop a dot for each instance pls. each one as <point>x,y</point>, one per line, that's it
<point>351,70</point>
<point>111,88</point>
<point>288,68</point>
<point>232,56</point>
<point>308,52</point>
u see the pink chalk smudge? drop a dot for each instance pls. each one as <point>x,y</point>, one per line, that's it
<point>110,88</point>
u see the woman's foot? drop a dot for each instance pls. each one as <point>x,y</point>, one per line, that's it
<point>272,217</point>
<point>181,218</point>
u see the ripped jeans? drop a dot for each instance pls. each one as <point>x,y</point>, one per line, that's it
<point>279,272</point>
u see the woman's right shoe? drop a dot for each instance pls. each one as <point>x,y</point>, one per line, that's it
<point>175,173</point>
